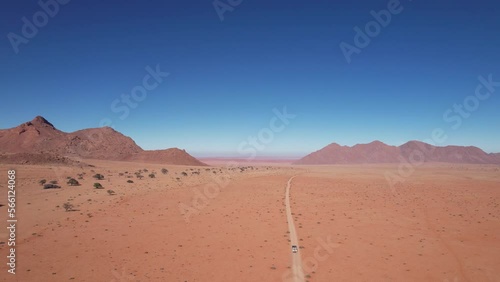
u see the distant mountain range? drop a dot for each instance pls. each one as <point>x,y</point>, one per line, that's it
<point>38,140</point>
<point>378,152</point>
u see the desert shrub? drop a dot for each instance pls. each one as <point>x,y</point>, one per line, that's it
<point>120,174</point>
<point>130,181</point>
<point>99,176</point>
<point>53,182</point>
<point>145,170</point>
<point>68,206</point>
<point>111,192</point>
<point>42,182</point>
<point>98,185</point>
<point>184,174</point>
<point>73,182</point>
<point>140,176</point>
<point>51,186</point>
<point>152,175</point>
<point>164,170</point>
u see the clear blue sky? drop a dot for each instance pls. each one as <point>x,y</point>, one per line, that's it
<point>227,76</point>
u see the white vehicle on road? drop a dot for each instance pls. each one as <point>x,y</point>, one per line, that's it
<point>295,249</point>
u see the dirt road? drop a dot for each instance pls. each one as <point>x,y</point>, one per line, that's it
<point>298,273</point>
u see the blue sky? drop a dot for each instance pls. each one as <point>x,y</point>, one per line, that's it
<point>226,77</point>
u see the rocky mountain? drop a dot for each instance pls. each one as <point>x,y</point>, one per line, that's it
<point>40,137</point>
<point>378,152</point>
<point>173,156</point>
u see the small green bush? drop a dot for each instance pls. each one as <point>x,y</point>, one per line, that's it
<point>99,176</point>
<point>51,186</point>
<point>68,207</point>
<point>73,182</point>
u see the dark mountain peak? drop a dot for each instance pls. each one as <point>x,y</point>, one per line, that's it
<point>333,145</point>
<point>40,121</point>
<point>375,143</point>
<point>414,142</point>
<point>107,128</point>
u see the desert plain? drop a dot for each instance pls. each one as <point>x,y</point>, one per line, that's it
<point>229,223</point>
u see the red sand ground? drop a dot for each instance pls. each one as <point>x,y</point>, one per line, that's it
<point>441,224</point>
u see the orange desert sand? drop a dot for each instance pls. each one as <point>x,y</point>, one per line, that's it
<point>441,224</point>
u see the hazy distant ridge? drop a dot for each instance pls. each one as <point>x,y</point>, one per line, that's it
<point>378,152</point>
